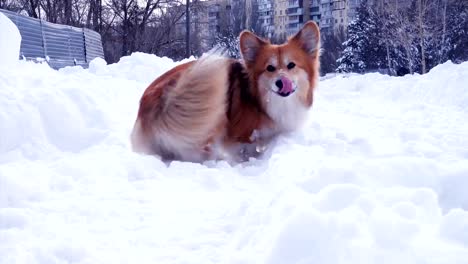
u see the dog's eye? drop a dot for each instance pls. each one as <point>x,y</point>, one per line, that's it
<point>271,68</point>
<point>291,65</point>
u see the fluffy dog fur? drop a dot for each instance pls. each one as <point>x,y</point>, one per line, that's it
<point>220,108</point>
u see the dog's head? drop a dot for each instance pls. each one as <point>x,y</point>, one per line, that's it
<point>285,75</point>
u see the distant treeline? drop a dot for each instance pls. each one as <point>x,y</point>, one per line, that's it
<point>400,39</point>
<point>385,36</point>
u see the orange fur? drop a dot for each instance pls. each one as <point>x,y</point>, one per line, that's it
<point>214,107</point>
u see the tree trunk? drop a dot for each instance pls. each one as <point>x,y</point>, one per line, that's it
<point>97,19</point>
<point>125,29</point>
<point>407,46</point>
<point>187,28</point>
<point>389,63</point>
<point>33,5</point>
<point>444,30</point>
<point>90,13</point>
<point>68,12</point>
<point>421,36</point>
<point>248,14</point>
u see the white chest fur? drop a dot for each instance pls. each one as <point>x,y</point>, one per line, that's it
<point>289,113</point>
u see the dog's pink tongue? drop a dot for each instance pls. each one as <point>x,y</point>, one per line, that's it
<point>287,85</point>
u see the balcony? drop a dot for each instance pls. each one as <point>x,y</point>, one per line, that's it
<point>339,5</point>
<point>294,11</point>
<point>326,22</point>
<point>293,29</point>
<point>295,20</point>
<point>315,10</point>
<point>264,16</point>
<point>294,3</point>
<point>316,18</point>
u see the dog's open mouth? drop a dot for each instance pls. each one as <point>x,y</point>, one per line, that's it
<point>285,87</point>
<point>284,94</point>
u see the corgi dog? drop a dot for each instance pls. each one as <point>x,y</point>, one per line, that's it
<point>221,108</point>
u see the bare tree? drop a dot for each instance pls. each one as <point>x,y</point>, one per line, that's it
<point>405,37</point>
<point>187,28</point>
<point>67,6</point>
<point>12,5</point>
<point>424,8</point>
<point>31,7</point>
<point>443,34</point>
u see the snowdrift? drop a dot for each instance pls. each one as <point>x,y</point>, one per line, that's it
<point>10,42</point>
<point>378,175</point>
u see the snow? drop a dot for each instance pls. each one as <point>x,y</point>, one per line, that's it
<point>10,42</point>
<point>377,175</point>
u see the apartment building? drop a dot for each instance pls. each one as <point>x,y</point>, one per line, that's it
<point>298,13</point>
<point>333,15</point>
<point>242,14</point>
<point>394,4</point>
<point>326,16</point>
<point>352,9</point>
<point>340,15</point>
<point>219,16</point>
<point>199,30</point>
<point>314,11</point>
<point>265,20</point>
<point>280,19</point>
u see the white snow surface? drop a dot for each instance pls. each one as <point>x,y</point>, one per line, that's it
<point>379,174</point>
<point>10,40</point>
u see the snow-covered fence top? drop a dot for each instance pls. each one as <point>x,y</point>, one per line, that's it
<point>60,45</point>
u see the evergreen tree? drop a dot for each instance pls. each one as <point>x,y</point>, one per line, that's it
<point>352,58</point>
<point>331,50</point>
<point>457,32</point>
<point>405,39</point>
<point>362,50</point>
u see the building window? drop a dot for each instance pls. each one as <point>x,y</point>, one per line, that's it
<point>292,10</point>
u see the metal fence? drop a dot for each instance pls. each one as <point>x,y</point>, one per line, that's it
<point>59,45</point>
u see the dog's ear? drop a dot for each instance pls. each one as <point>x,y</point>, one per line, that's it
<point>308,38</point>
<point>250,45</point>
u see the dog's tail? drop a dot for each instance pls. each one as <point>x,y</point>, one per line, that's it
<point>192,110</point>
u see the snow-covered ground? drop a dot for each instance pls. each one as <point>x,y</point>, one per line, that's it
<point>378,175</point>
<point>10,40</point>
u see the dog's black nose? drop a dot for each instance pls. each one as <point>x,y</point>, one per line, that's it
<point>279,83</point>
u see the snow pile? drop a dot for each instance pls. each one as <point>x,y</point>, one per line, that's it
<point>10,41</point>
<point>378,175</point>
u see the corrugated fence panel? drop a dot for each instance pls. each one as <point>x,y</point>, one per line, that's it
<point>62,45</point>
<point>31,34</point>
<point>93,44</point>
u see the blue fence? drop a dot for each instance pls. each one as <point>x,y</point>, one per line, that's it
<point>59,45</point>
